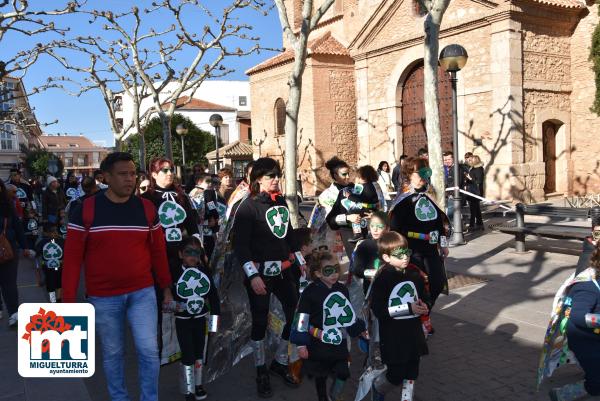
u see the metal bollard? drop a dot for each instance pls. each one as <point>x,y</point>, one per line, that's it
<point>520,236</point>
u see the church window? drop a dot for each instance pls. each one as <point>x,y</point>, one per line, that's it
<point>279,117</point>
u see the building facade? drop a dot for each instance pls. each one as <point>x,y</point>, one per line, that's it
<point>228,98</point>
<point>524,96</point>
<point>18,125</point>
<point>77,153</point>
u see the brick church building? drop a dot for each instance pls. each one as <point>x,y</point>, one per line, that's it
<point>524,96</point>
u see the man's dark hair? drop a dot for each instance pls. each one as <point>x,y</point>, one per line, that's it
<point>403,157</point>
<point>302,237</point>
<point>448,153</point>
<point>422,151</point>
<point>98,172</point>
<point>114,157</point>
<point>88,184</point>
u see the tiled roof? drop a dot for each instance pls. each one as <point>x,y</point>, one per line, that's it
<point>234,149</point>
<point>563,3</point>
<point>325,44</point>
<point>66,142</point>
<point>197,104</point>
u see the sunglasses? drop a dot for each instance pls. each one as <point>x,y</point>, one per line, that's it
<point>272,176</point>
<point>167,170</point>
<point>401,253</point>
<point>192,252</point>
<point>596,235</point>
<point>377,225</point>
<point>330,270</point>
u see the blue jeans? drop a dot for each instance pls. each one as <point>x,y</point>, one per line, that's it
<point>139,308</point>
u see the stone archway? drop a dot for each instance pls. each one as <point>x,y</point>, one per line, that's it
<point>410,91</point>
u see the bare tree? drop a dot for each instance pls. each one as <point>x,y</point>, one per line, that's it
<point>155,55</point>
<point>18,18</point>
<point>435,12</point>
<point>299,43</point>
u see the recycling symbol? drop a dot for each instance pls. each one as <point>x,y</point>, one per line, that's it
<point>332,336</point>
<point>403,293</point>
<point>173,234</point>
<point>21,194</point>
<point>32,225</point>
<point>358,189</point>
<point>434,237</point>
<point>53,264</point>
<point>72,193</point>
<point>52,251</point>
<point>193,284</point>
<point>272,269</point>
<point>278,218</point>
<point>194,306</point>
<point>337,311</point>
<point>425,210</point>
<point>171,213</point>
<point>221,209</point>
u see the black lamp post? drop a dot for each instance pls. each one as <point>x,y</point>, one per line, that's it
<point>216,120</point>
<point>182,131</point>
<point>452,59</point>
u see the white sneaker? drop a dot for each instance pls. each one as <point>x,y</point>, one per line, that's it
<point>13,319</point>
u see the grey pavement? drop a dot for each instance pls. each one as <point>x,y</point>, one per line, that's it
<point>486,346</point>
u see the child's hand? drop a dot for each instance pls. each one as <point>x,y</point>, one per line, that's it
<point>303,352</point>
<point>420,308</point>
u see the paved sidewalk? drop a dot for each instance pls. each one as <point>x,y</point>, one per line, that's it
<point>12,386</point>
<point>486,345</point>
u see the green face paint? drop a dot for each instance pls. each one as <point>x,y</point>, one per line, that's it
<point>330,270</point>
<point>401,253</point>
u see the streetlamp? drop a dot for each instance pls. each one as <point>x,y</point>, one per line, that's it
<point>182,131</point>
<point>452,59</point>
<point>216,120</point>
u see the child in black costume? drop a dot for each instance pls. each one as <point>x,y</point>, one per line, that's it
<point>398,298</point>
<point>196,301</point>
<point>50,251</point>
<point>365,258</point>
<point>362,198</point>
<point>323,311</point>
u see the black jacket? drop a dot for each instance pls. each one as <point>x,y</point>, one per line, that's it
<point>401,339</point>
<point>262,230</point>
<point>582,339</point>
<point>52,202</point>
<point>337,208</point>
<point>475,184</point>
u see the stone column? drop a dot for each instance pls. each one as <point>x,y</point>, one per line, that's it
<point>506,178</point>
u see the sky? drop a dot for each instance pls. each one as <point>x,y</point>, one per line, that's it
<point>87,113</point>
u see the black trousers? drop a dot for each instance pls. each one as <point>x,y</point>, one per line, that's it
<point>190,335</point>
<point>8,284</point>
<point>53,279</point>
<point>475,209</point>
<point>396,373</point>
<point>433,266</point>
<point>321,369</point>
<point>284,289</point>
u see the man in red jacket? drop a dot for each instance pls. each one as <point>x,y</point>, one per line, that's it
<point>124,255</point>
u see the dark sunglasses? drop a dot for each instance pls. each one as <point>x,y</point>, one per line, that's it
<point>330,270</point>
<point>192,252</point>
<point>167,170</point>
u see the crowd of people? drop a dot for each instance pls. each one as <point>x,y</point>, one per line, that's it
<point>148,244</point>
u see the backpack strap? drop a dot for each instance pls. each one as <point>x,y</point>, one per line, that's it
<point>150,212</point>
<point>89,209</point>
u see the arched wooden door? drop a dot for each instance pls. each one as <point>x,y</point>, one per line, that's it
<point>414,134</point>
<point>549,144</point>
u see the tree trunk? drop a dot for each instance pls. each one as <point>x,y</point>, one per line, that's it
<point>291,144</point>
<point>166,127</point>
<point>432,112</point>
<point>118,145</point>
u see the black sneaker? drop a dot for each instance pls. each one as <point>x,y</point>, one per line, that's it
<point>200,393</point>
<point>283,372</point>
<point>263,383</point>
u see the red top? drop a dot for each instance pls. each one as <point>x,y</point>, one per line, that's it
<point>121,252</point>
